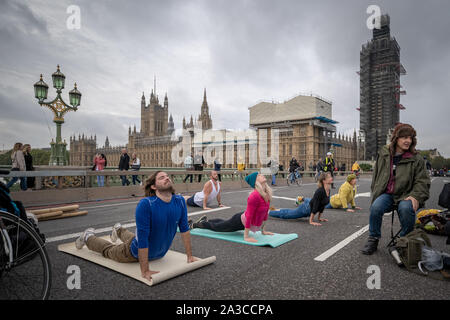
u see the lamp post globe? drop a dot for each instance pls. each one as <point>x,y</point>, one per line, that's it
<point>75,96</point>
<point>40,90</point>
<point>58,79</point>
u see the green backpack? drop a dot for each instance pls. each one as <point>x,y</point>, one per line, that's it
<point>410,249</point>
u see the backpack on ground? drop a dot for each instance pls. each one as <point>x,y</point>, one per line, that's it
<point>415,252</point>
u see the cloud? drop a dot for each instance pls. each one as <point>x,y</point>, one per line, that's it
<point>242,52</point>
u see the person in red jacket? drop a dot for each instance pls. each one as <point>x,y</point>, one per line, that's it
<point>254,217</point>
<point>100,164</point>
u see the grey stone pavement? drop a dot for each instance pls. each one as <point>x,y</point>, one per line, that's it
<point>247,272</point>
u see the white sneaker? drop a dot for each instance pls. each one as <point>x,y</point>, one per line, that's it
<point>81,241</point>
<point>114,235</point>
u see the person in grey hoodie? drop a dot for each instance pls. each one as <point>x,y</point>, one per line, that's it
<point>18,164</point>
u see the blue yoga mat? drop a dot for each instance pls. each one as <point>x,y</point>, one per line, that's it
<point>238,236</point>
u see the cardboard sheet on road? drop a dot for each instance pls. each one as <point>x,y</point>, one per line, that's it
<point>171,265</point>
<point>238,236</point>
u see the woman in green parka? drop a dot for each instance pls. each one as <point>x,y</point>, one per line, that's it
<point>399,178</point>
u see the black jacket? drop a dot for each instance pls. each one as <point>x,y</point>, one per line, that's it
<point>293,164</point>
<point>199,162</point>
<point>28,162</point>
<point>124,163</point>
<point>319,201</point>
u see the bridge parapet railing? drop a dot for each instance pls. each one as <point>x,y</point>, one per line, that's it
<point>84,177</point>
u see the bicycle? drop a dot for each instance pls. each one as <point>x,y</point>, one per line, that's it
<point>25,271</point>
<point>317,175</point>
<point>294,178</point>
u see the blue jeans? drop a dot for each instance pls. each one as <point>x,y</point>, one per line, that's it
<point>274,179</point>
<point>135,178</point>
<point>329,206</point>
<point>384,203</point>
<point>101,181</point>
<point>23,182</point>
<point>302,211</point>
<point>124,180</point>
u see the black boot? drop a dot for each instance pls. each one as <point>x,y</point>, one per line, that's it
<point>371,246</point>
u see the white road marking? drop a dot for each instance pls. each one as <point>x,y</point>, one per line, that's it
<point>364,194</point>
<point>293,199</point>
<point>206,211</point>
<point>324,256</point>
<point>110,205</point>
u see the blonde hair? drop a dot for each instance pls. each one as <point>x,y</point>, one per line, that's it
<point>264,191</point>
<point>17,146</point>
<point>322,177</point>
<point>25,148</point>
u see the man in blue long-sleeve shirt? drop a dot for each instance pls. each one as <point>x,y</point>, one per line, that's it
<point>157,218</point>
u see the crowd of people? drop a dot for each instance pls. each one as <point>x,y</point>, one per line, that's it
<point>400,180</point>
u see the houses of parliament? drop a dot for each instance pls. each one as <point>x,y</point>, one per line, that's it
<point>304,122</point>
<point>152,144</point>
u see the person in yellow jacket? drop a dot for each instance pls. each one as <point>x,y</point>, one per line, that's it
<point>241,164</point>
<point>356,167</point>
<point>346,195</point>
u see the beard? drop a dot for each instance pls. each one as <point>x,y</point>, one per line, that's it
<point>168,188</point>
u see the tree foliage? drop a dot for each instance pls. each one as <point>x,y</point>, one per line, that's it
<point>40,157</point>
<point>365,167</point>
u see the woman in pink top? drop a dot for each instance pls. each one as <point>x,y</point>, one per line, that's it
<point>254,217</point>
<point>100,164</point>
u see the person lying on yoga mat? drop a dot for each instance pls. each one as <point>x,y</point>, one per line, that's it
<point>157,218</point>
<point>310,207</point>
<point>211,190</point>
<point>346,195</point>
<point>254,217</point>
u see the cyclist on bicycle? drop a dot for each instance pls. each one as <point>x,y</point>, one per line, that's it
<point>319,168</point>
<point>356,168</point>
<point>329,166</point>
<point>293,166</point>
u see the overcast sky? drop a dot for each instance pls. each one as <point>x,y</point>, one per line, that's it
<point>242,52</point>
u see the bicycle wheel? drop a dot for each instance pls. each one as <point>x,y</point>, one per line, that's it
<point>289,180</point>
<point>25,271</point>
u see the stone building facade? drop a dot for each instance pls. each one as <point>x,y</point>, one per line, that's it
<point>154,142</point>
<point>306,131</point>
<point>82,151</point>
<point>304,126</point>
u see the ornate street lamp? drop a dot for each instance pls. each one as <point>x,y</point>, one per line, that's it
<point>59,108</point>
